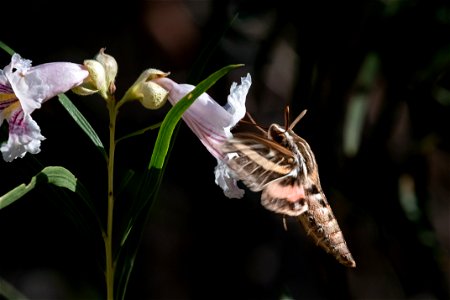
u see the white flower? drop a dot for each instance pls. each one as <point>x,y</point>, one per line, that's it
<point>22,90</point>
<point>212,123</point>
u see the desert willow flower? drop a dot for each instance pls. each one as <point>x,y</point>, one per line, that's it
<point>23,89</point>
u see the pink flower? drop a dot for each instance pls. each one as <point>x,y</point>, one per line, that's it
<point>212,123</point>
<point>22,90</point>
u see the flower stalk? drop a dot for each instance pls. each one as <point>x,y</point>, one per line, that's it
<point>108,237</point>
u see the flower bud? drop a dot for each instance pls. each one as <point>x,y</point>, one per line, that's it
<point>96,81</point>
<point>150,94</point>
<point>110,65</point>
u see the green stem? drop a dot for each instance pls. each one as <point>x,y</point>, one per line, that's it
<point>109,276</point>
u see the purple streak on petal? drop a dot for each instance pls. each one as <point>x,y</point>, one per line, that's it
<point>24,136</point>
<point>210,139</point>
<point>6,103</point>
<point>5,89</point>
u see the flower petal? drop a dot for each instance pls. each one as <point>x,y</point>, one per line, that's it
<point>212,124</point>
<point>206,118</point>
<point>236,100</point>
<point>34,85</point>
<point>24,136</point>
<point>225,179</point>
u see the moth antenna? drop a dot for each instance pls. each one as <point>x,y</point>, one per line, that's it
<point>253,122</point>
<point>300,116</point>
<point>286,118</point>
<point>284,223</point>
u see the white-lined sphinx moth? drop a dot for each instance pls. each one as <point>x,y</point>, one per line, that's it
<point>281,164</point>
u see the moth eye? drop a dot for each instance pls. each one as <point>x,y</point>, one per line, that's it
<point>278,138</point>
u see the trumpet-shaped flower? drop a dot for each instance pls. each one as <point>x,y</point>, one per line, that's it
<point>23,89</point>
<point>212,123</point>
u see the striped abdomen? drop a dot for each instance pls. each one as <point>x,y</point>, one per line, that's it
<point>320,223</point>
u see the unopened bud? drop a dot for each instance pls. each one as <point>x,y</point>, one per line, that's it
<point>110,65</point>
<point>97,77</point>
<point>150,94</point>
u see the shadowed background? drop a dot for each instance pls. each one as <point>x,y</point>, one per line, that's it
<point>374,78</point>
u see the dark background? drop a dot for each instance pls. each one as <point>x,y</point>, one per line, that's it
<point>374,78</point>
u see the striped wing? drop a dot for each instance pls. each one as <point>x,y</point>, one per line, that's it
<point>258,161</point>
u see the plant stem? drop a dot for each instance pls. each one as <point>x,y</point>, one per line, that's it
<point>109,276</point>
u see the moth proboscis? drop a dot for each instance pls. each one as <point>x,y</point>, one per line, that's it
<point>281,164</point>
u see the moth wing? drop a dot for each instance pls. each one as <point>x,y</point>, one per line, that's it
<point>285,196</point>
<point>257,161</point>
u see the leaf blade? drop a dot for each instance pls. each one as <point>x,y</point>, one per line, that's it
<point>82,122</point>
<point>6,48</point>
<point>175,113</point>
<point>147,190</point>
<point>58,176</point>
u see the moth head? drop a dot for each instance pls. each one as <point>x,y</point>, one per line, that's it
<point>277,133</point>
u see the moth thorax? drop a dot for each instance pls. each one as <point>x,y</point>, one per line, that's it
<point>278,134</point>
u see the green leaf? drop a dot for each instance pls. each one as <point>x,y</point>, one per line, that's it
<point>58,176</point>
<point>131,234</point>
<point>6,48</point>
<point>9,292</point>
<point>175,113</point>
<point>82,122</point>
<point>147,189</point>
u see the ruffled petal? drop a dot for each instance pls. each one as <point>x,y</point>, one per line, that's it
<point>212,124</point>
<point>236,100</point>
<point>225,179</point>
<point>24,136</point>
<point>34,85</point>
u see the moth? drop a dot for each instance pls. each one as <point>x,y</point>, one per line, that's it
<point>282,165</point>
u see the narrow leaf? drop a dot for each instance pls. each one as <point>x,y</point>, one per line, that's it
<point>9,292</point>
<point>175,113</point>
<point>82,122</point>
<point>58,176</point>
<point>6,48</point>
<point>147,190</point>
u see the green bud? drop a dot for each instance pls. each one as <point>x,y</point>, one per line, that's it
<point>150,94</point>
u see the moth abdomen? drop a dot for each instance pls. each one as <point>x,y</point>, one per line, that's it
<point>320,223</point>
